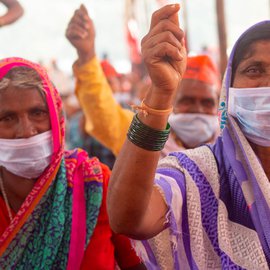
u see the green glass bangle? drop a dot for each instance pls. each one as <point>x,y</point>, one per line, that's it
<point>146,137</point>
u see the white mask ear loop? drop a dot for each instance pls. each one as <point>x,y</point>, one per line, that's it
<point>3,191</point>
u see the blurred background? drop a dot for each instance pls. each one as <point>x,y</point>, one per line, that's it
<point>120,24</point>
<point>38,34</point>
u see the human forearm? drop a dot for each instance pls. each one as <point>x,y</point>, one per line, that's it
<point>139,214</point>
<point>105,119</point>
<point>85,57</point>
<point>135,207</point>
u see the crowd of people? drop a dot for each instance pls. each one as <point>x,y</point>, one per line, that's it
<point>166,169</point>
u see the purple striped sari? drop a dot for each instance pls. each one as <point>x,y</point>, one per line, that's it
<point>218,198</point>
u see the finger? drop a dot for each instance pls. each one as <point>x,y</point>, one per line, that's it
<point>85,17</point>
<point>166,36</point>
<point>76,18</point>
<point>75,31</point>
<point>84,11</point>
<point>168,11</point>
<point>167,25</point>
<point>80,20</point>
<point>165,51</point>
<point>174,18</point>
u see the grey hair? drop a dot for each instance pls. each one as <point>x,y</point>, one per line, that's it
<point>24,78</point>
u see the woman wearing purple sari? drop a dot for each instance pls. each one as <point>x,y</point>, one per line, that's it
<point>214,200</point>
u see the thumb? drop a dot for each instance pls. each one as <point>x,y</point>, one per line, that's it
<point>174,17</point>
<point>83,9</point>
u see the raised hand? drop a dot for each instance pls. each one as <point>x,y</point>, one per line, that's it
<point>164,52</point>
<point>81,34</point>
<point>136,208</point>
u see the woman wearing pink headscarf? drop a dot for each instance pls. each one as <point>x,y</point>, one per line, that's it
<point>52,202</point>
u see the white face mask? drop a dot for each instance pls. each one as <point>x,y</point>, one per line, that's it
<point>27,157</point>
<point>251,107</point>
<point>194,129</point>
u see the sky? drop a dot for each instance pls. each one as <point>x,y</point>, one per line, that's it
<point>40,34</point>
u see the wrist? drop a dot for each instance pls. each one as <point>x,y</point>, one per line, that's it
<point>146,136</point>
<point>158,100</point>
<point>84,58</point>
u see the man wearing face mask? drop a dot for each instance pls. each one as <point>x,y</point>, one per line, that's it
<point>194,119</point>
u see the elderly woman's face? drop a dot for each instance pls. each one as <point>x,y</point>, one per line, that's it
<point>254,70</point>
<point>23,113</point>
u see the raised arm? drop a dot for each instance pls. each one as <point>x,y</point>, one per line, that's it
<point>106,120</point>
<point>14,12</point>
<point>135,207</point>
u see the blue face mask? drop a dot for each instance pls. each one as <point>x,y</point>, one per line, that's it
<point>251,107</point>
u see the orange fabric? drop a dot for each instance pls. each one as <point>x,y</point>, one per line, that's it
<point>108,69</point>
<point>104,245</point>
<point>202,68</point>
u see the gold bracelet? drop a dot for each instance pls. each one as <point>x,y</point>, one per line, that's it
<point>147,110</point>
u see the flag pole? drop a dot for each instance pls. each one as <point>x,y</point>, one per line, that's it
<point>222,35</point>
